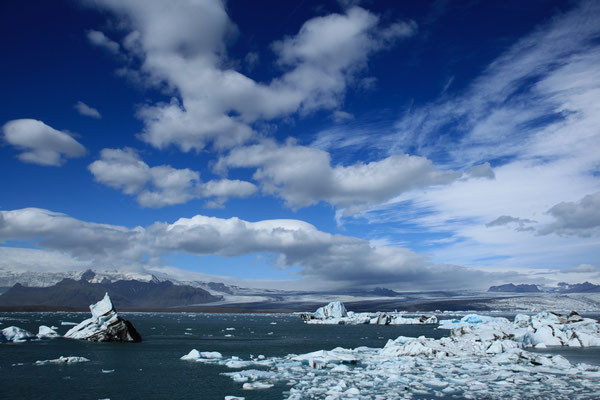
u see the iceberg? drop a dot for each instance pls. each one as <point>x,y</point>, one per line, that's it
<point>195,355</point>
<point>45,332</point>
<point>335,309</point>
<point>16,334</point>
<point>335,313</point>
<point>63,360</point>
<point>104,326</point>
<point>539,331</point>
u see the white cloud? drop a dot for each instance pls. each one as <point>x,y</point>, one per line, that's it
<point>86,110</point>
<point>323,256</point>
<point>183,48</point>
<point>161,185</point>
<point>534,113</point>
<point>99,39</point>
<point>303,176</point>
<point>41,144</point>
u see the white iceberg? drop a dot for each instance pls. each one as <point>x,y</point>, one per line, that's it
<point>16,334</point>
<point>334,309</point>
<point>195,355</point>
<point>45,332</point>
<point>63,360</point>
<point>104,326</point>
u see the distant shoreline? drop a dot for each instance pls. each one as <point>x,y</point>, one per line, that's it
<point>209,310</point>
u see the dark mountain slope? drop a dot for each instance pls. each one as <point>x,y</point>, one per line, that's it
<point>124,294</point>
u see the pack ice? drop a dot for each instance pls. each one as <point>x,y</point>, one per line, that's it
<point>104,326</point>
<point>541,330</point>
<point>484,357</point>
<point>335,313</point>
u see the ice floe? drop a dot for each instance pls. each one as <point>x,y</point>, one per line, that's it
<point>541,330</point>
<point>484,357</point>
<point>335,313</point>
<point>63,360</point>
<point>105,325</point>
<point>195,355</point>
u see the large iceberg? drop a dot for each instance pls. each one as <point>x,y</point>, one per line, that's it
<point>104,326</point>
<point>335,313</point>
<point>335,309</point>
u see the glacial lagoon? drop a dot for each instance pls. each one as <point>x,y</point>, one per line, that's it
<point>153,369</point>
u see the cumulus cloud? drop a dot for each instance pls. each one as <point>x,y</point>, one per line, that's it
<point>162,185</point>
<point>86,110</point>
<point>41,144</point>
<point>99,39</point>
<point>183,48</point>
<point>303,176</point>
<point>335,258</point>
<point>580,218</point>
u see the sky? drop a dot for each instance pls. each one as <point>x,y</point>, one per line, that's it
<point>303,145</point>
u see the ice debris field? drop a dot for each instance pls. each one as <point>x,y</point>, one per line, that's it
<point>484,357</point>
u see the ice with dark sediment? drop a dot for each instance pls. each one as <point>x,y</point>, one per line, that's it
<point>335,313</point>
<point>104,326</point>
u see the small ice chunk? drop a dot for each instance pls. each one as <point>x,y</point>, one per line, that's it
<point>46,332</point>
<point>256,385</point>
<point>195,355</point>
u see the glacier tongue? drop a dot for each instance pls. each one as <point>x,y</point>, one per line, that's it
<point>104,326</point>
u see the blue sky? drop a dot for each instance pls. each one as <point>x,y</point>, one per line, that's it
<point>303,144</point>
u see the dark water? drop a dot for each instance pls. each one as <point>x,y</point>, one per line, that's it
<point>152,369</point>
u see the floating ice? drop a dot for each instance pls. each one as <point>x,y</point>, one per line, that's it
<point>335,309</point>
<point>63,360</point>
<point>195,355</point>
<point>66,323</point>
<point>104,326</point>
<point>16,334</point>
<point>483,358</point>
<point>541,330</point>
<point>335,314</point>
<point>46,332</point>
